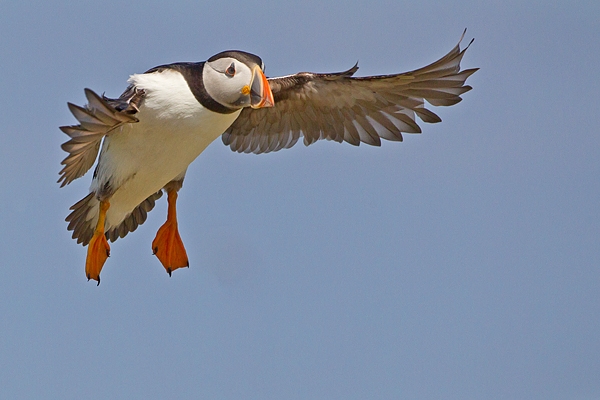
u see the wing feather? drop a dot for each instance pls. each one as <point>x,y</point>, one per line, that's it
<point>340,107</point>
<point>100,117</point>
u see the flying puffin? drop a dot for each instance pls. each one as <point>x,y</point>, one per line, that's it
<point>169,114</point>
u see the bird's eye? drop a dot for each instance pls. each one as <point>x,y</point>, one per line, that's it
<point>230,71</point>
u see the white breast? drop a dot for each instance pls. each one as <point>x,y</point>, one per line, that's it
<point>174,129</point>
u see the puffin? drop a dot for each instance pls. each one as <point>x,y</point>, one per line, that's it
<point>145,139</point>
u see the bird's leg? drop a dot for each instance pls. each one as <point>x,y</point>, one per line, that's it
<point>167,245</point>
<point>98,248</point>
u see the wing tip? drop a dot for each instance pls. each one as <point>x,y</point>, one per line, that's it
<point>461,39</point>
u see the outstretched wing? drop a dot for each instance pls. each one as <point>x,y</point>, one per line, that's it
<point>98,118</point>
<point>343,108</point>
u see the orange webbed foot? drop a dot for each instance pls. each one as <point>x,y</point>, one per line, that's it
<point>98,249</point>
<point>167,245</point>
<point>97,253</point>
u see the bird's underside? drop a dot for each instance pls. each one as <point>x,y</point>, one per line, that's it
<point>168,115</point>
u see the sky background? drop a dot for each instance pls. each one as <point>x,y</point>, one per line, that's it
<point>461,263</point>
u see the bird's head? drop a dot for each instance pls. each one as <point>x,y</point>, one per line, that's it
<point>236,80</point>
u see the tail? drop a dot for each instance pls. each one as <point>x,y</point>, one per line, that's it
<point>84,217</point>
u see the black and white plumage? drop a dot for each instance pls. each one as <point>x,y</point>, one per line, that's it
<point>158,126</point>
<point>171,113</point>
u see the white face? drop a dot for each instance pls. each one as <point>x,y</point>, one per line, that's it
<point>228,81</point>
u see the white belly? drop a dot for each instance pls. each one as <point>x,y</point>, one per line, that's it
<point>143,157</point>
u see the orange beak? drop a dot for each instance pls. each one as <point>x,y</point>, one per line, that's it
<point>260,91</point>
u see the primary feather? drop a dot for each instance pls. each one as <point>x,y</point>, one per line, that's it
<point>341,107</point>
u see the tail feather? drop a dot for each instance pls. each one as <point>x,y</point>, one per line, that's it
<point>84,216</point>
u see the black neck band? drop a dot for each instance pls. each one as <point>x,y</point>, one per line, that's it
<point>192,73</point>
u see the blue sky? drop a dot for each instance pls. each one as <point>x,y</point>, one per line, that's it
<point>462,263</point>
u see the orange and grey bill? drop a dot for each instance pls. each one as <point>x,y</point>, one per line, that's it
<point>260,91</point>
